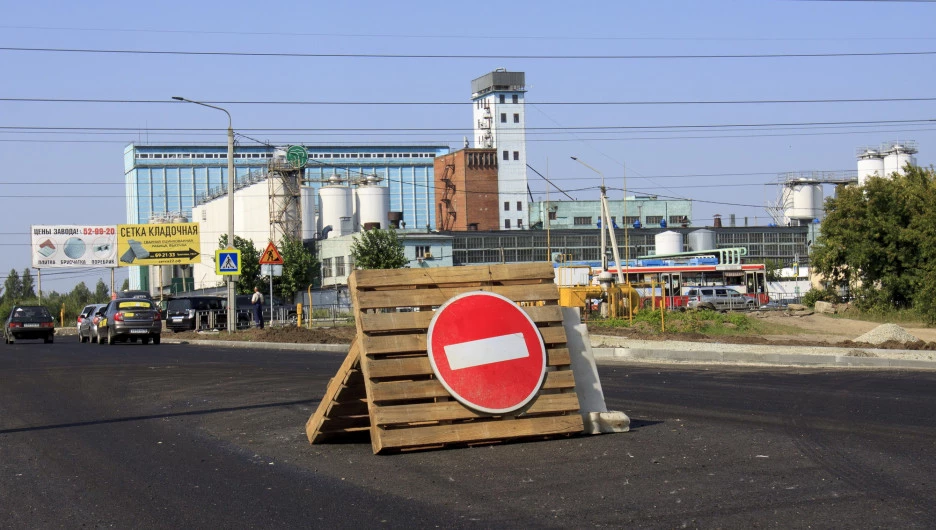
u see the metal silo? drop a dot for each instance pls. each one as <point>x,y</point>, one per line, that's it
<point>668,242</point>
<point>307,212</point>
<point>802,201</point>
<point>870,164</point>
<point>372,204</point>
<point>702,239</point>
<point>897,155</point>
<point>337,209</point>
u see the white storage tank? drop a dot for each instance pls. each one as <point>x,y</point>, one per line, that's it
<point>802,200</point>
<point>870,164</point>
<point>307,212</point>
<point>279,156</point>
<point>668,242</point>
<point>372,204</point>
<point>336,204</point>
<point>897,155</point>
<point>700,240</point>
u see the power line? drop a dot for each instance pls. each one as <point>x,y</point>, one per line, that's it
<point>466,56</point>
<point>466,103</point>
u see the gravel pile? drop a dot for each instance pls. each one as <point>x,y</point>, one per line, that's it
<point>887,332</point>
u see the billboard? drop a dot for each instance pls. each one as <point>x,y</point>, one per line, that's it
<point>73,246</point>
<point>158,244</point>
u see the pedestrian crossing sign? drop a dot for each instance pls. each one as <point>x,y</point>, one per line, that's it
<point>227,262</point>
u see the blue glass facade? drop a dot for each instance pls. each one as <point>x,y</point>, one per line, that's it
<point>168,179</point>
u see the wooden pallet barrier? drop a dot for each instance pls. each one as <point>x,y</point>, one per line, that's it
<point>408,406</point>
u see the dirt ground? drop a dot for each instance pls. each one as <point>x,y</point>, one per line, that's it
<point>807,329</point>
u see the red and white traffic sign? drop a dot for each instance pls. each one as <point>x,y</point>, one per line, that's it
<point>487,352</point>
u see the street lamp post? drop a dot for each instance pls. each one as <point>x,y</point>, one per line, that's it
<point>231,297</point>
<point>606,225</point>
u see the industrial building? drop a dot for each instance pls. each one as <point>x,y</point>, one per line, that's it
<point>168,180</point>
<point>642,211</point>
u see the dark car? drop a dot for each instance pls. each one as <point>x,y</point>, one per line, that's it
<point>135,294</point>
<point>281,310</point>
<point>195,312</point>
<point>130,319</point>
<point>84,321</point>
<point>29,322</point>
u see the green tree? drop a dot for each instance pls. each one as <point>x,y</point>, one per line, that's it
<point>250,263</point>
<point>13,287</point>
<point>299,268</point>
<point>378,249</point>
<point>101,292</point>
<point>878,241</point>
<point>28,286</point>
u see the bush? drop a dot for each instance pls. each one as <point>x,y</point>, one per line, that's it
<point>819,295</point>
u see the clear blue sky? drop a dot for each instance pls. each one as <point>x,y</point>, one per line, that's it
<point>75,175</point>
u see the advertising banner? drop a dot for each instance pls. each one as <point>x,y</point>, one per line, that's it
<point>158,244</point>
<point>56,246</point>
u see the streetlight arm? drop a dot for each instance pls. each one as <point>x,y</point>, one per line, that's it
<point>180,98</point>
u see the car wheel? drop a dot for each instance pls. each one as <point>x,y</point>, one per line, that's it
<point>6,339</point>
<point>156,339</point>
<point>144,340</point>
<point>110,336</point>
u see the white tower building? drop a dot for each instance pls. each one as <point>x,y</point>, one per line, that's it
<point>500,123</point>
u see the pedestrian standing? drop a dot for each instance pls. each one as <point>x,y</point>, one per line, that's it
<point>257,301</point>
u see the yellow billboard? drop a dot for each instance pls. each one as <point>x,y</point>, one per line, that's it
<point>158,244</point>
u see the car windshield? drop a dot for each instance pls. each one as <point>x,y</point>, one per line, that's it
<point>179,305</point>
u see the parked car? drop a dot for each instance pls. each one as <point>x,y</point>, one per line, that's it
<point>84,321</point>
<point>182,314</point>
<point>129,319</point>
<point>96,319</point>
<point>718,299</point>
<point>29,322</point>
<point>281,310</point>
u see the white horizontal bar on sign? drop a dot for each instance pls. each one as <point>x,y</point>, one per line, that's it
<point>486,351</point>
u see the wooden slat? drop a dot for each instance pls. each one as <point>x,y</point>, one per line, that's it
<point>453,410</point>
<point>553,334</point>
<point>336,391</point>
<point>432,388</point>
<point>436,296</point>
<point>369,279</point>
<point>476,432</point>
<point>419,320</point>
<point>416,342</point>
<point>419,365</point>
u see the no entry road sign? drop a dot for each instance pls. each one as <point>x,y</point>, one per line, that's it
<point>487,352</point>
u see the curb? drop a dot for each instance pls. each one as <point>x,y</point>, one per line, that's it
<point>741,357</point>
<point>713,354</point>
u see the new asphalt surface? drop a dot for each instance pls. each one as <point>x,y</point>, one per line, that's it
<point>183,435</point>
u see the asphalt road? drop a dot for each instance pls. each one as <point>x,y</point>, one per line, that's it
<point>180,436</point>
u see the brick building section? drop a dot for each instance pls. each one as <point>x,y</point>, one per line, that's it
<point>466,190</point>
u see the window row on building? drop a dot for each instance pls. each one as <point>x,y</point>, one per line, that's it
<point>140,155</point>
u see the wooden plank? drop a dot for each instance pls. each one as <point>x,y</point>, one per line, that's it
<point>432,388</point>
<point>383,344</point>
<point>419,320</point>
<point>453,410</point>
<point>436,296</point>
<point>334,391</point>
<point>420,366</point>
<point>476,432</point>
<point>370,279</point>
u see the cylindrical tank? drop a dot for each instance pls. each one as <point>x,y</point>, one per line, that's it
<point>307,212</point>
<point>668,242</point>
<point>802,200</point>
<point>336,205</point>
<point>372,204</point>
<point>870,164</point>
<point>898,155</point>
<point>700,240</point>
<point>279,156</point>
